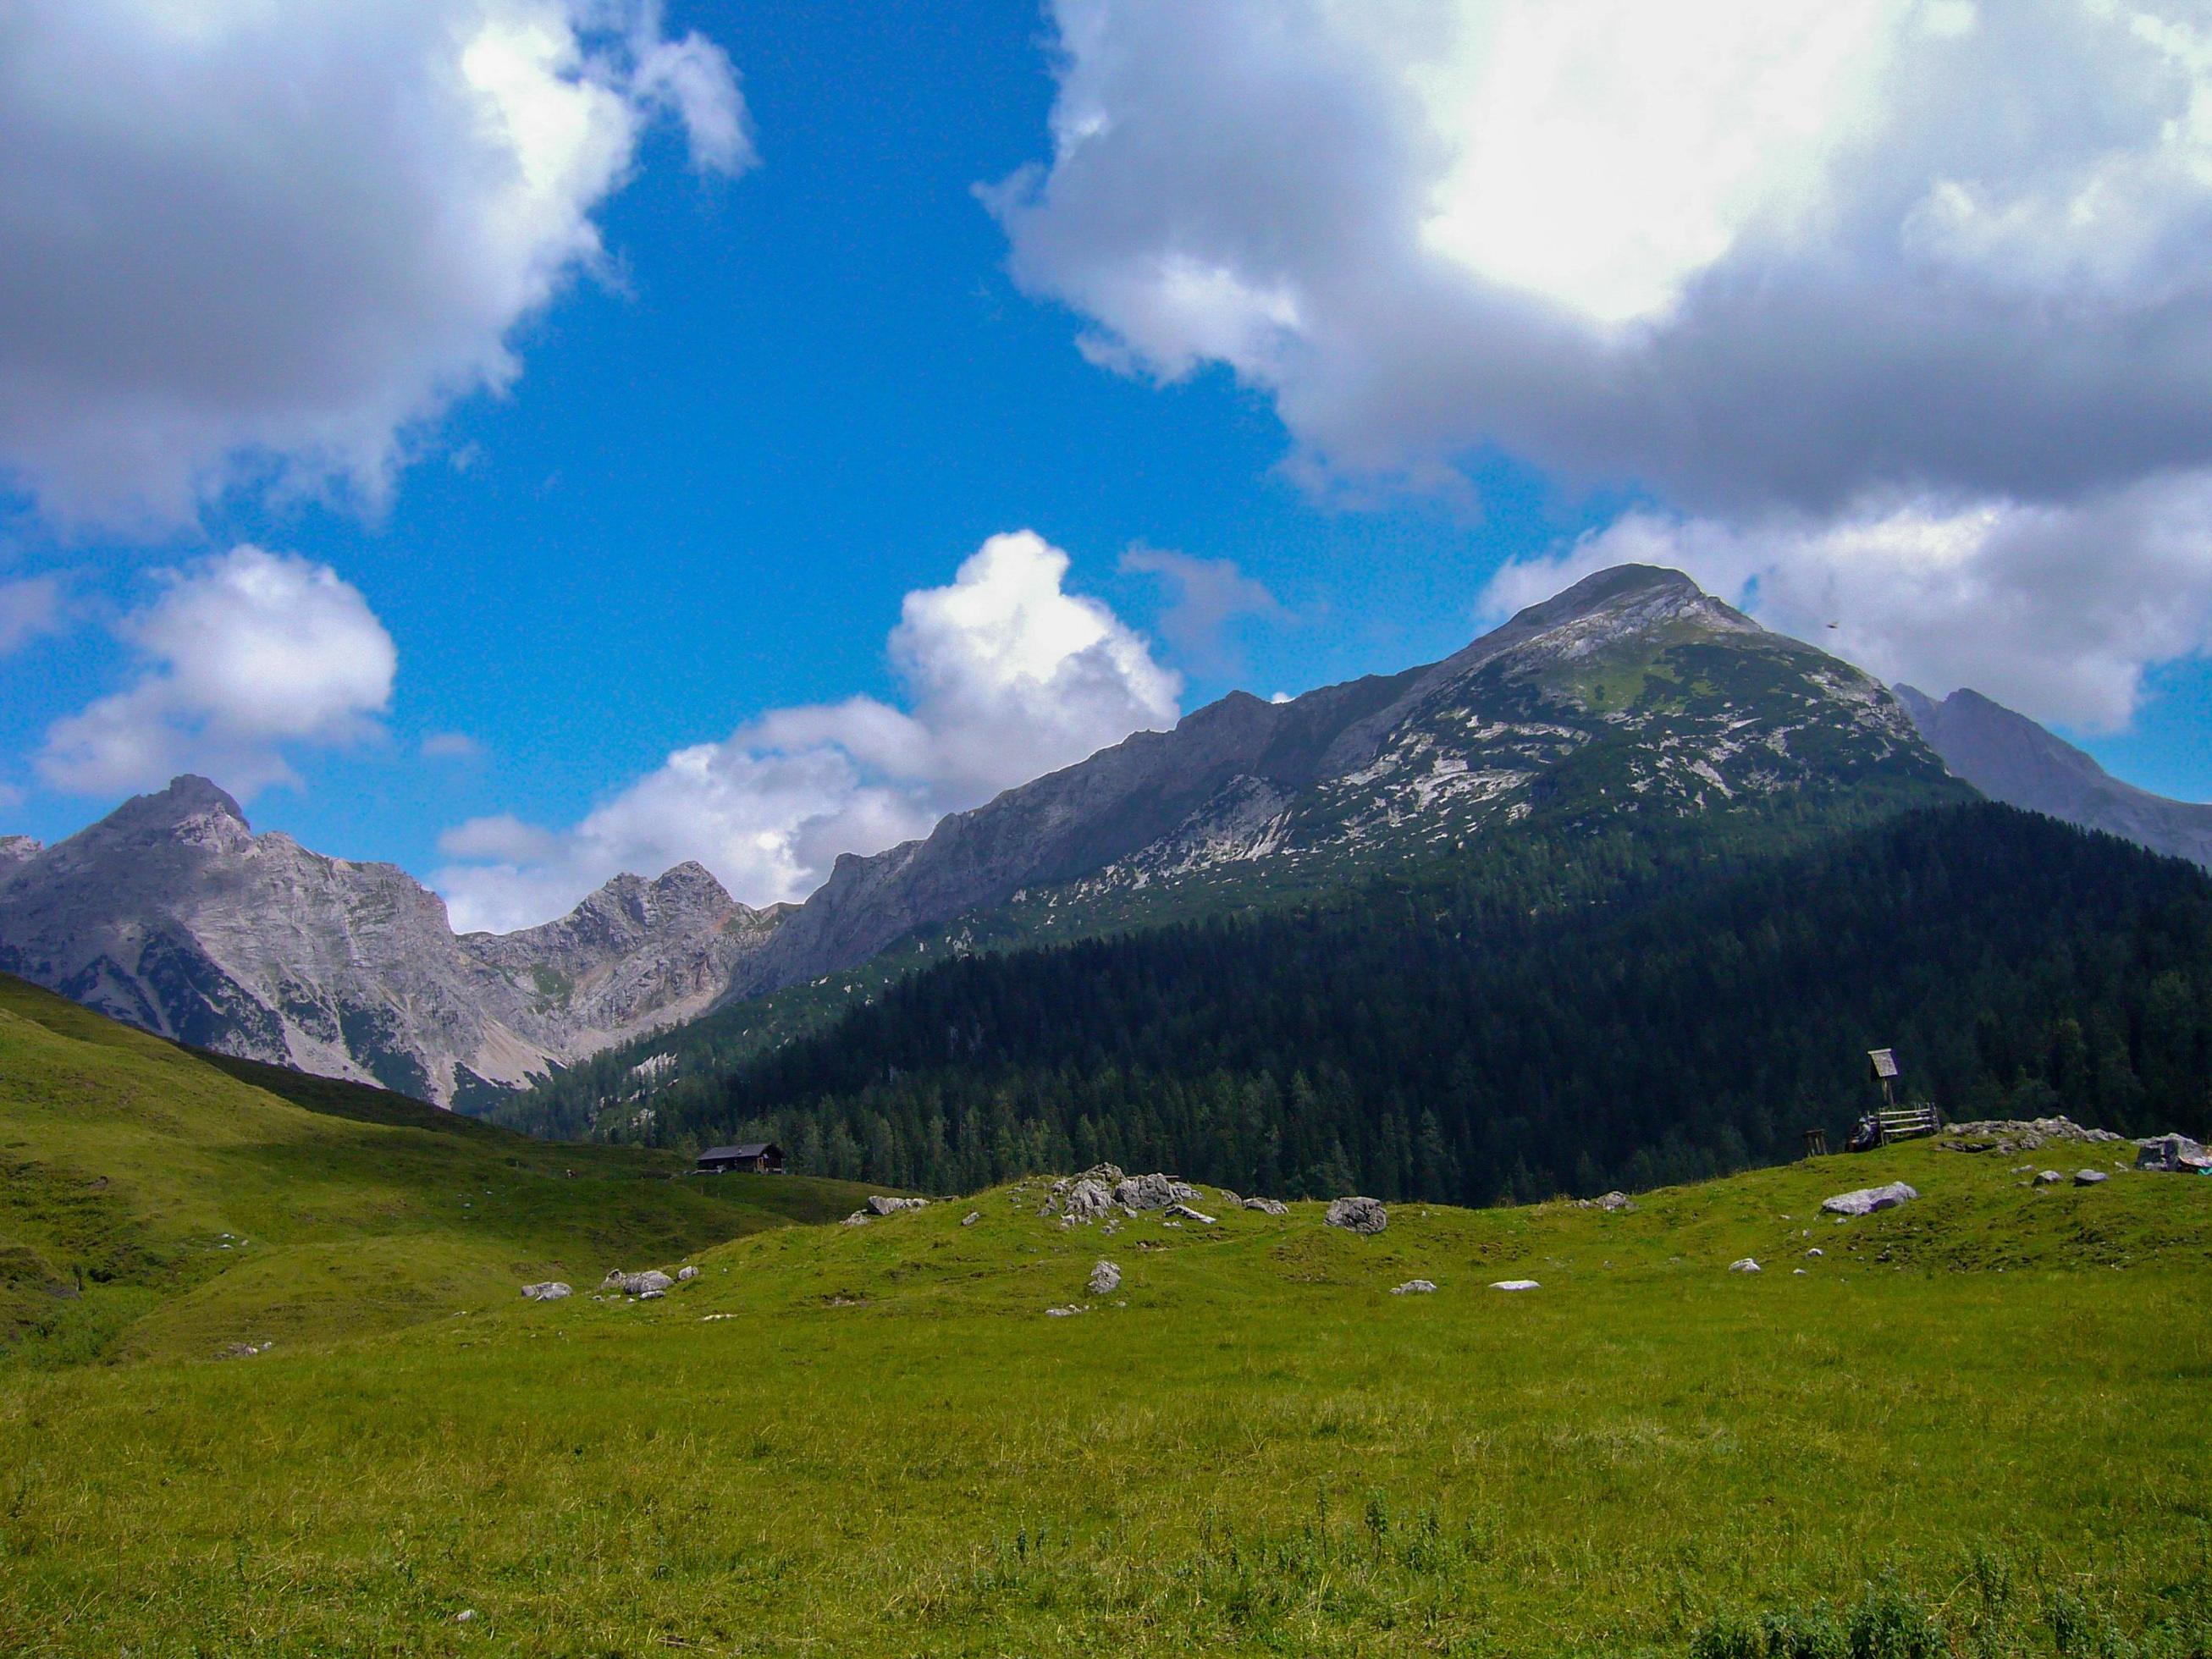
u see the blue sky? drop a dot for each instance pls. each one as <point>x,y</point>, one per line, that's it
<point>797,392</point>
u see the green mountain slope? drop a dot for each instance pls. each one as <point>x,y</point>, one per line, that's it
<point>156,1201</point>
<point>1964,1428</point>
<point>1632,1010</point>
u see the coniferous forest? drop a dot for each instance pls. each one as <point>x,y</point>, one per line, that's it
<point>1669,1015</point>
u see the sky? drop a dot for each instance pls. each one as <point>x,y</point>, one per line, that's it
<point>524,440</point>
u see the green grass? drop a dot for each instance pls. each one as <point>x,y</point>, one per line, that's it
<point>157,1203</point>
<point>1972,1426</point>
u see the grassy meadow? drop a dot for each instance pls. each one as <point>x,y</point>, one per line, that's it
<point>1972,1425</point>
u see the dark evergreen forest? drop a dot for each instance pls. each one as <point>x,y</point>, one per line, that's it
<point>1665,1014</point>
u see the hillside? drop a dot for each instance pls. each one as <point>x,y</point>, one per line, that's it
<point>154,1202</point>
<point>1963,1428</point>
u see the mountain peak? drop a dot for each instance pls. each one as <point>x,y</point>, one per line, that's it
<point>189,796</point>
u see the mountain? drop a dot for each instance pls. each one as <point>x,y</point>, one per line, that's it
<point>1632,705</point>
<point>2009,758</point>
<point>1632,692</point>
<point>170,913</point>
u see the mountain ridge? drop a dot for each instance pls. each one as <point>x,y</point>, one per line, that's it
<point>171,913</point>
<point>2011,758</point>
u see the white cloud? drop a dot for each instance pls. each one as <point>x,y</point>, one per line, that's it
<point>253,243</point>
<point>2054,610</point>
<point>29,606</point>
<point>246,654</point>
<point>1007,675</point>
<point>1744,252</point>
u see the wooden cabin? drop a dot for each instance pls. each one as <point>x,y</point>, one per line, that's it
<point>755,1157</point>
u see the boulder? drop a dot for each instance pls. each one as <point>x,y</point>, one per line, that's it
<point>551,1290</point>
<point>1184,1213</point>
<point>685,1274</point>
<point>971,1217</point>
<point>2171,1154</point>
<point>1061,1313</point>
<point>1151,1192</point>
<point>883,1205</point>
<point>1867,1200</point>
<point>1816,1252</point>
<point>858,1219</point>
<point>1745,1265</point>
<point>1105,1279</point>
<point>1357,1215</point>
<point>1616,1202</point>
<point>1515,1285</point>
<point>2090,1177</point>
<point>1414,1287</point>
<point>1268,1205</point>
<point>650,1283</point>
<point>2048,1177</point>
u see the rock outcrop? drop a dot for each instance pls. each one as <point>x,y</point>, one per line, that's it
<point>1867,1199</point>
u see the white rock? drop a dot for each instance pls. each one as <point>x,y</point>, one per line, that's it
<point>1105,1279</point>
<point>1268,1205</point>
<point>686,1274</point>
<point>551,1290</point>
<point>971,1217</point>
<point>1745,1265</point>
<point>1867,1200</point>
<point>1414,1287</point>
<point>1515,1285</point>
<point>2089,1178</point>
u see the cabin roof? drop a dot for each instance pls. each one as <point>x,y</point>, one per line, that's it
<point>750,1149</point>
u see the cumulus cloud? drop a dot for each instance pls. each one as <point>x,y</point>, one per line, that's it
<point>1007,675</point>
<point>1739,250</point>
<point>243,656</point>
<point>2055,610</point>
<point>250,243</point>
<point>1211,596</point>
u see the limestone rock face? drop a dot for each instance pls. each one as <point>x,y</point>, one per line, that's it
<point>172,914</point>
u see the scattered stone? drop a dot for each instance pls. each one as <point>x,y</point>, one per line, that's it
<point>1105,1279</point>
<point>464,1615</point>
<point>651,1282</point>
<point>858,1219</point>
<point>244,1350</point>
<point>1745,1265</point>
<point>2048,1177</point>
<point>2019,1134</point>
<point>651,1296</point>
<point>1414,1287</point>
<point>1268,1205</point>
<point>2171,1153</point>
<point>1184,1213</point>
<point>883,1205</point>
<point>2089,1178</point>
<point>971,1217</point>
<point>1799,1272</point>
<point>1816,1252</point>
<point>551,1290</point>
<point>1063,1313</point>
<point>686,1274</point>
<point>1515,1285</point>
<point>1606,1201</point>
<point>1359,1215</point>
<point>1867,1200</point>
